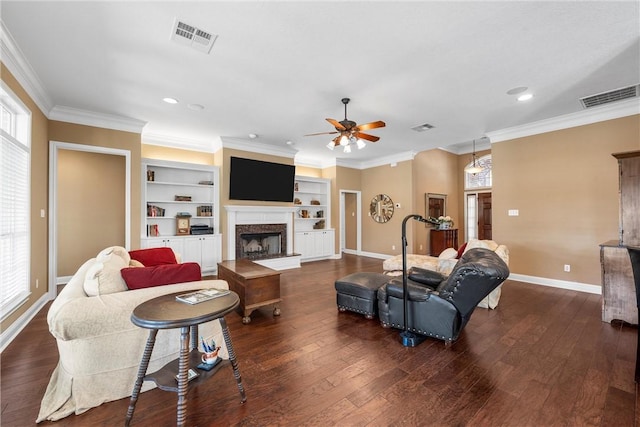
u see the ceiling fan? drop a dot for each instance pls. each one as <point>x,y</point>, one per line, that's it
<point>349,132</point>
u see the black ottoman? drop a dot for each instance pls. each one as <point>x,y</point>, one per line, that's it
<point>358,292</point>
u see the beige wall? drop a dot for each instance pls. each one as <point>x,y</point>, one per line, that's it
<point>397,183</point>
<point>565,186</point>
<point>39,198</point>
<point>91,194</point>
<point>158,152</point>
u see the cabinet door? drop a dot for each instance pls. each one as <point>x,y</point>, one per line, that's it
<point>211,253</point>
<point>192,250</point>
<point>328,242</point>
<point>177,245</point>
<point>303,244</point>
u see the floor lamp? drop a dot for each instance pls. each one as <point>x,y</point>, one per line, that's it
<point>408,338</point>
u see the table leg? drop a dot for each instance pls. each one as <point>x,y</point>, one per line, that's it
<point>232,359</point>
<point>142,371</point>
<point>183,376</point>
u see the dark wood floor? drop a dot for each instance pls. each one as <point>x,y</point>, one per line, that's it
<point>543,358</point>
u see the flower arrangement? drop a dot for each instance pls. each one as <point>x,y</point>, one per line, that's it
<point>442,222</point>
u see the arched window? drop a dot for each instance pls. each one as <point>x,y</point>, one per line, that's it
<point>480,179</point>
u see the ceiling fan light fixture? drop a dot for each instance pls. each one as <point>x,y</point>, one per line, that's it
<point>360,143</point>
<point>347,148</point>
<point>344,140</point>
<point>331,145</point>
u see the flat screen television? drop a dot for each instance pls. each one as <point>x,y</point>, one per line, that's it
<point>264,181</point>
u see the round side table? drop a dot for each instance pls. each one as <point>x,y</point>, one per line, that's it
<point>165,312</point>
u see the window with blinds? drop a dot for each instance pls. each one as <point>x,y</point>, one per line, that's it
<point>15,195</point>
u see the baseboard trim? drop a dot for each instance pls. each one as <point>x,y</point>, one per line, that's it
<point>16,327</point>
<point>374,255</point>
<point>555,283</point>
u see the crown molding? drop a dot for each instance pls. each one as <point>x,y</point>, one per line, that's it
<point>380,161</point>
<point>257,147</point>
<point>611,111</point>
<point>101,120</point>
<point>313,162</point>
<point>182,143</point>
<point>15,61</point>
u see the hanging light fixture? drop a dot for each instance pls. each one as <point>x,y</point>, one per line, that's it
<point>475,166</point>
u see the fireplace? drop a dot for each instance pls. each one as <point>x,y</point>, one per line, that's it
<point>259,220</point>
<point>261,241</point>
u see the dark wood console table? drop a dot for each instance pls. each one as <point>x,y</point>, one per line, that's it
<point>256,285</point>
<point>165,312</point>
<point>442,239</point>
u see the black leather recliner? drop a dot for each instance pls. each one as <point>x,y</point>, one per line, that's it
<point>442,311</point>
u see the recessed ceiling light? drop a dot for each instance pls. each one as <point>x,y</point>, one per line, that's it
<point>195,107</point>
<point>525,97</point>
<point>253,136</point>
<point>517,90</point>
<point>289,142</point>
<point>170,100</point>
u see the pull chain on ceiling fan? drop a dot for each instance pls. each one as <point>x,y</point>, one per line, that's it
<point>349,132</point>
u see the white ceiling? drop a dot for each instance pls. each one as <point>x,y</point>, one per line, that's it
<point>278,69</point>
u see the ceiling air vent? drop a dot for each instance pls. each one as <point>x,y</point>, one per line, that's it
<point>611,96</point>
<point>422,128</point>
<point>192,36</point>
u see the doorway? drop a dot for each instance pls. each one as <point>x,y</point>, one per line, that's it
<point>86,205</point>
<point>478,216</point>
<point>350,222</point>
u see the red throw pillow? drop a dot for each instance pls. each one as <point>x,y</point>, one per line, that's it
<point>154,256</point>
<point>147,277</point>
<point>460,251</point>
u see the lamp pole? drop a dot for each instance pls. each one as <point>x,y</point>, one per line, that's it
<point>408,338</point>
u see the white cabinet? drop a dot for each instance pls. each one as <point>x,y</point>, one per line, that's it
<point>312,197</point>
<point>176,244</point>
<point>314,244</point>
<point>173,188</point>
<point>205,250</point>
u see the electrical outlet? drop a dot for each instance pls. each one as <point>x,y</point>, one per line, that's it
<point>37,283</point>
<point>393,247</point>
<point>567,268</point>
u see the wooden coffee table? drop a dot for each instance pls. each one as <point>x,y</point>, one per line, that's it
<point>257,286</point>
<point>165,312</point>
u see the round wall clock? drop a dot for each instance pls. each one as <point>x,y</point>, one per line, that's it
<point>381,208</point>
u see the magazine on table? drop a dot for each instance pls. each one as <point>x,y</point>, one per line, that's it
<point>202,295</point>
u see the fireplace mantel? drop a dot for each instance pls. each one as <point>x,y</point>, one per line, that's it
<point>241,215</point>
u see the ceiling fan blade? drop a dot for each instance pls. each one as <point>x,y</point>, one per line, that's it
<point>321,133</point>
<point>336,124</point>
<point>372,125</point>
<point>367,137</point>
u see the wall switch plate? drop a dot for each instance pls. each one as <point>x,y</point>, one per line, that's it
<point>567,268</point>
<point>513,212</point>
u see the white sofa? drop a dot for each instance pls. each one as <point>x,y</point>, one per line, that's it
<point>99,348</point>
<point>444,264</point>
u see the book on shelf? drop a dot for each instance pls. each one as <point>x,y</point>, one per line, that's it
<point>153,210</point>
<point>152,230</point>
<point>202,295</point>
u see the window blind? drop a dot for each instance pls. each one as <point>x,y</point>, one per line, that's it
<point>14,212</point>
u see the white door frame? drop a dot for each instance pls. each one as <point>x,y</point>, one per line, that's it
<point>54,148</point>
<point>358,222</point>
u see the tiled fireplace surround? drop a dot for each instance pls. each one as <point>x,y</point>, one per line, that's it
<point>255,218</point>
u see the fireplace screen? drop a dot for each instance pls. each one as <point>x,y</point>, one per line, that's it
<point>257,241</point>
